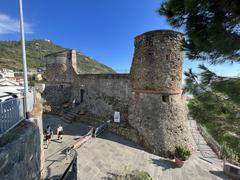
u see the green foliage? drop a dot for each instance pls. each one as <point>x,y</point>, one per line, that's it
<point>212,27</point>
<point>182,152</point>
<point>11,56</point>
<point>129,174</point>
<point>87,65</point>
<point>216,105</point>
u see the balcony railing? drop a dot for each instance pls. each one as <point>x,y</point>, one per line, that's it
<point>12,112</point>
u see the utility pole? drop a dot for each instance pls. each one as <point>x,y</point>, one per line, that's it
<point>24,61</point>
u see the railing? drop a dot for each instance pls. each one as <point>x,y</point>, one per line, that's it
<point>101,128</point>
<point>222,151</point>
<point>12,111</point>
<point>31,99</point>
<point>71,171</point>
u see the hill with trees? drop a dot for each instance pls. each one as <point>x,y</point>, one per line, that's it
<point>11,56</point>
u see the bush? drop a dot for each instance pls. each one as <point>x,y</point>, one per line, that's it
<point>182,152</point>
<point>129,174</point>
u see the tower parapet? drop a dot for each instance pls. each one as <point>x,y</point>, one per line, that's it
<point>157,62</point>
<point>61,66</point>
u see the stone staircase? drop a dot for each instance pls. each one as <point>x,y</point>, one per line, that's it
<point>71,114</point>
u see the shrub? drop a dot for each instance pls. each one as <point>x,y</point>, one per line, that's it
<point>129,174</point>
<point>182,152</point>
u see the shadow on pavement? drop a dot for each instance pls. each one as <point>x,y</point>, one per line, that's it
<point>115,138</point>
<point>219,174</point>
<point>73,129</point>
<point>164,163</point>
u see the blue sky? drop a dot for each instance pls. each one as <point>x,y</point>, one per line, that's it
<point>103,30</point>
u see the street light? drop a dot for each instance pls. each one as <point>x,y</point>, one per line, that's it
<point>24,61</point>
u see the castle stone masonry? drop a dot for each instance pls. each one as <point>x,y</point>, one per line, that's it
<point>149,98</point>
<point>157,62</point>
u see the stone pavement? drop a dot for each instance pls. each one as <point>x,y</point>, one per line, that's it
<point>104,157</point>
<point>202,146</point>
<point>56,159</point>
<point>109,154</point>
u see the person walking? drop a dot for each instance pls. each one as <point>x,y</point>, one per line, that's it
<point>48,133</point>
<point>59,132</point>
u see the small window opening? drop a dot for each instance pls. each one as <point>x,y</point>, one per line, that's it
<point>81,95</point>
<point>165,98</point>
<point>167,57</point>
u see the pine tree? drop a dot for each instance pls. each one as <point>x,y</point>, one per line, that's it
<point>212,27</point>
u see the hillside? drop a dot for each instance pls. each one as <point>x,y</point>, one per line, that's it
<point>11,56</point>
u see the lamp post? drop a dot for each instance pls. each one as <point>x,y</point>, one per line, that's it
<point>24,61</point>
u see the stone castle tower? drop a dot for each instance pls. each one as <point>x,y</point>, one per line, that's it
<point>156,109</point>
<point>61,66</point>
<point>149,98</point>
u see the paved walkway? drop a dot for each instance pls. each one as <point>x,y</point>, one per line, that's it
<point>202,146</point>
<point>56,158</point>
<point>104,157</point>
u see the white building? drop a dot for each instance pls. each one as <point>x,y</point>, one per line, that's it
<point>7,82</point>
<point>7,73</point>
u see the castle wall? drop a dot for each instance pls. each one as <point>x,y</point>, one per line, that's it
<point>156,109</point>
<point>157,62</point>
<point>57,94</point>
<point>163,125</point>
<point>149,98</point>
<point>103,93</point>
<point>21,149</point>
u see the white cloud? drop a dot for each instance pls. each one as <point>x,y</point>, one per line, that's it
<point>9,25</point>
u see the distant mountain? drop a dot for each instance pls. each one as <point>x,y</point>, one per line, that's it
<point>11,56</point>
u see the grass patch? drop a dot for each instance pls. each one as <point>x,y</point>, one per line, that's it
<point>129,174</point>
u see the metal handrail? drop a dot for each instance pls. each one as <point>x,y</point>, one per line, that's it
<point>11,114</point>
<point>12,111</point>
<point>72,164</point>
<point>101,128</point>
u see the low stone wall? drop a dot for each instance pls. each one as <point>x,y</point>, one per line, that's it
<point>102,94</point>
<point>21,149</point>
<point>21,158</point>
<point>222,152</point>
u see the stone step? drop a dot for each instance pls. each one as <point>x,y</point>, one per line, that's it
<point>77,110</point>
<point>72,113</point>
<point>65,120</point>
<point>69,115</point>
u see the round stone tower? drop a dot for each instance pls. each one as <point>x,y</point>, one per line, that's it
<point>157,63</point>
<point>156,106</point>
<point>61,67</point>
